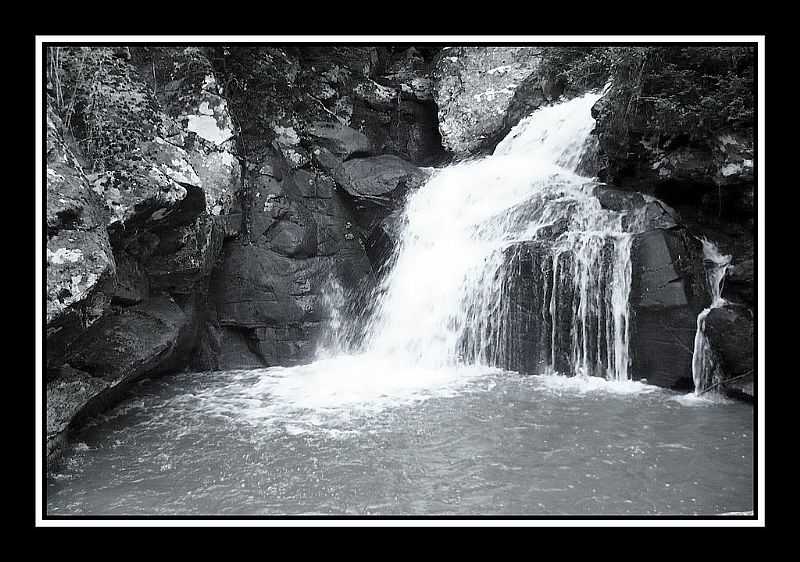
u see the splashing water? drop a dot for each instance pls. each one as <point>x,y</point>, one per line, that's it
<point>452,297</point>
<point>414,411</point>
<point>704,363</point>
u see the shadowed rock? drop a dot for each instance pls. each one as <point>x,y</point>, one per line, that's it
<point>667,293</point>
<point>379,176</point>
<point>114,352</point>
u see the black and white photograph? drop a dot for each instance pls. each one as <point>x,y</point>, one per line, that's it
<point>420,279</point>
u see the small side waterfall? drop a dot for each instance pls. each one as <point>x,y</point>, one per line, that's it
<point>704,363</point>
<point>477,227</point>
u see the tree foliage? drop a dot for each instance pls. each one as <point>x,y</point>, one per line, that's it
<point>669,89</point>
<point>676,90</point>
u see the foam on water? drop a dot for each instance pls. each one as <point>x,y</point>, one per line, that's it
<point>444,302</point>
<point>704,362</point>
<point>582,384</point>
<point>442,313</point>
<point>328,394</point>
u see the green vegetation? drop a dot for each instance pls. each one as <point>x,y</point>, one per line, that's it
<point>664,89</point>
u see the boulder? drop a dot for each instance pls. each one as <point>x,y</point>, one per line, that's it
<point>153,185</point>
<point>71,205</point>
<point>730,330</point>
<point>379,177</point>
<point>642,212</point>
<point>106,359</point>
<point>473,88</point>
<point>619,200</point>
<point>667,293</point>
<point>65,399</point>
<point>80,281</point>
<point>339,139</point>
<point>124,345</point>
<point>739,284</point>
<point>81,271</point>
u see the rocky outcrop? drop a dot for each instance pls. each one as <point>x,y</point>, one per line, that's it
<point>678,124</point>
<point>667,293</point>
<point>474,88</point>
<point>136,202</point>
<point>114,352</point>
<point>81,271</point>
<point>334,138</point>
<point>386,176</point>
<point>265,296</point>
<point>395,108</point>
<point>731,332</point>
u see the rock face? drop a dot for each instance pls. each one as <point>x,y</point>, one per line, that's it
<point>81,272</point>
<point>685,134</point>
<point>731,332</point>
<point>210,197</point>
<point>201,201</point>
<point>136,202</point>
<point>667,293</point>
<point>116,351</point>
<point>379,177</point>
<point>474,88</point>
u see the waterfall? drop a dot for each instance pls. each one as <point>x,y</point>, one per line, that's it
<point>704,363</point>
<point>454,296</point>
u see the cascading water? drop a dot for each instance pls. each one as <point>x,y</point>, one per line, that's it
<point>451,296</point>
<point>704,364</point>
<point>410,411</point>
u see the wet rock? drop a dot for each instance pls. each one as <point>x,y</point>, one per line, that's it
<point>742,388</point>
<point>251,287</point>
<point>313,185</point>
<point>115,351</point>
<point>292,239</point>
<point>739,284</point>
<point>235,350</point>
<point>705,172</point>
<point>377,188</point>
<point>730,331</point>
<point>642,212</point>
<point>148,338</point>
<point>66,397</point>
<point>667,293</point>
<point>618,200</point>
<point>527,347</point>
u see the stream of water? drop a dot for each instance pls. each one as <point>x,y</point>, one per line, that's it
<point>330,440</point>
<point>419,413</point>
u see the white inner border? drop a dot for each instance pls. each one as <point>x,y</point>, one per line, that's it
<point>759,40</point>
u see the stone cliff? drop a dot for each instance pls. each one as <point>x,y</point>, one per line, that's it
<point>199,200</point>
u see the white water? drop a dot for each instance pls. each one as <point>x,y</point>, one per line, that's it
<point>704,364</point>
<point>447,300</point>
<point>414,413</point>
